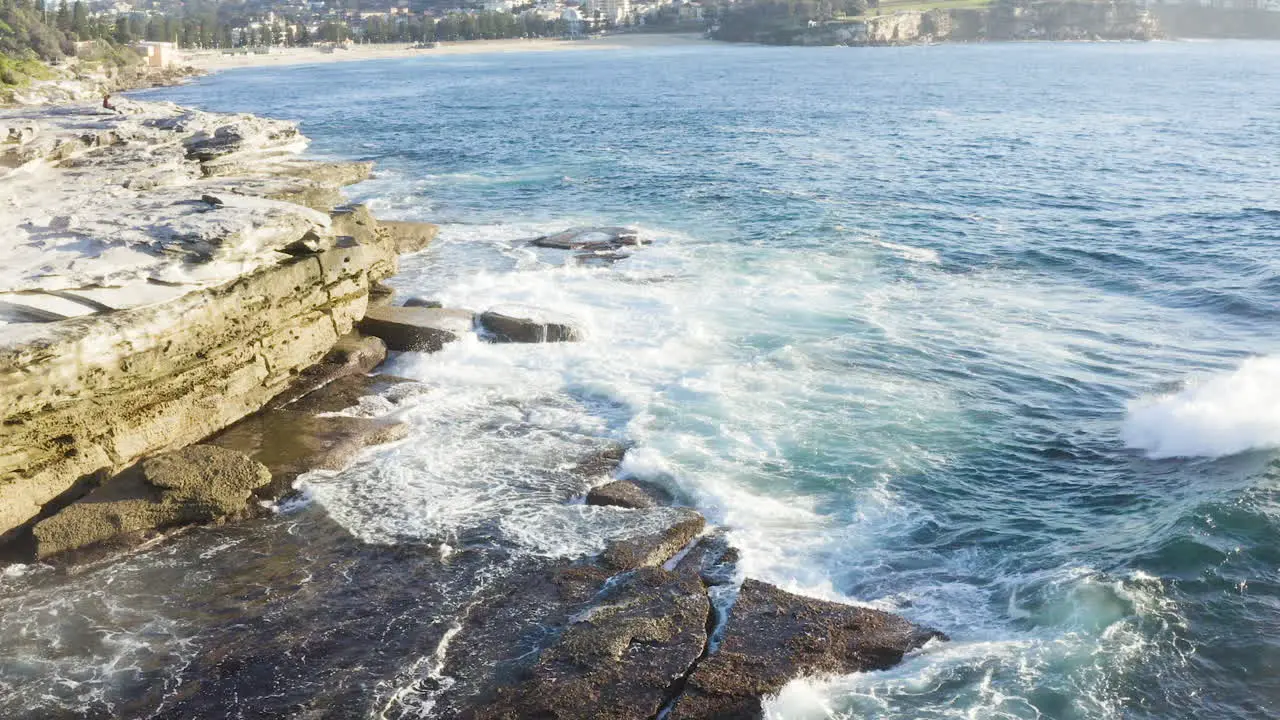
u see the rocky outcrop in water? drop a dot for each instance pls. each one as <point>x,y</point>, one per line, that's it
<point>628,494</point>
<point>772,637</point>
<point>529,325</point>
<point>591,238</point>
<point>417,329</point>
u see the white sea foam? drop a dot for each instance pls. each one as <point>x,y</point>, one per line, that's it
<point>1219,415</point>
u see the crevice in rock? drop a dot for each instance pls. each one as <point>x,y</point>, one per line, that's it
<point>716,617</point>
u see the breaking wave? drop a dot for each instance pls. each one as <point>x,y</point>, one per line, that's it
<point>1220,415</point>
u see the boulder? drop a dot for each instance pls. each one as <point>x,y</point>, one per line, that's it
<point>528,325</point>
<point>410,237</point>
<point>628,494</point>
<point>417,329</point>
<point>197,484</point>
<point>772,637</point>
<point>590,238</point>
<point>653,549</point>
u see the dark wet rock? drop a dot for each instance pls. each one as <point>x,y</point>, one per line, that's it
<point>773,636</point>
<point>297,620</point>
<point>291,443</point>
<point>628,494</point>
<point>529,325</point>
<point>654,549</point>
<point>418,329</point>
<point>600,258</point>
<point>518,618</point>
<point>422,302</point>
<point>712,558</point>
<point>354,353</point>
<point>590,238</point>
<point>602,462</point>
<point>619,659</point>
<point>381,294</point>
<point>410,237</point>
<point>197,484</point>
<point>346,392</point>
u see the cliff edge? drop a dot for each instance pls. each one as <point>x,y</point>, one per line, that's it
<point>164,273</point>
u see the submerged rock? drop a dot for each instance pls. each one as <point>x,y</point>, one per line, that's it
<point>529,325</point>
<point>591,238</point>
<point>423,302</point>
<point>197,484</point>
<point>773,637</point>
<point>601,462</point>
<point>417,329</point>
<point>346,392</point>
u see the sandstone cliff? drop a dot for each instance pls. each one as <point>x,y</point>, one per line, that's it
<point>158,282</point>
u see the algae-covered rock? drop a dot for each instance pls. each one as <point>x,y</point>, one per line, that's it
<point>197,484</point>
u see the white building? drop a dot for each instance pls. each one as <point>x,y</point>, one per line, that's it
<point>159,54</point>
<point>611,10</point>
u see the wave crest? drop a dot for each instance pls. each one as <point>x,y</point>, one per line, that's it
<point>1221,415</point>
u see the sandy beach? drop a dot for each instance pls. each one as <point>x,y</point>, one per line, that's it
<point>213,61</point>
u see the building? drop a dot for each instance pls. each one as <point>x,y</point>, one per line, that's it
<point>614,11</point>
<point>159,54</point>
<point>572,23</point>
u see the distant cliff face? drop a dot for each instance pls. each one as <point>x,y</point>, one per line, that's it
<point>1049,21</point>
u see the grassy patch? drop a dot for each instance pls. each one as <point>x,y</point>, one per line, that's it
<point>15,72</point>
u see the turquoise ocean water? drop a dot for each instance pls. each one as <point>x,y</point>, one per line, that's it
<point>985,335</point>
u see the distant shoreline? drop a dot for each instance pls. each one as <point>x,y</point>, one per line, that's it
<point>215,60</point>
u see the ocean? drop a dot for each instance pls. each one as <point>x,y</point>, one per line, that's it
<point>984,335</point>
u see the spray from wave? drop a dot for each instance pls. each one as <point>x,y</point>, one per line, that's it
<point>1218,416</point>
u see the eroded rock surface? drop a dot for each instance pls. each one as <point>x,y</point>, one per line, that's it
<point>290,443</point>
<point>196,484</point>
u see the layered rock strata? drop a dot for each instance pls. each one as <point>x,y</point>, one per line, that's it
<point>185,291</point>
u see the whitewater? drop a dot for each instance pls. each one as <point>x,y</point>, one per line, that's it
<point>982,335</point>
